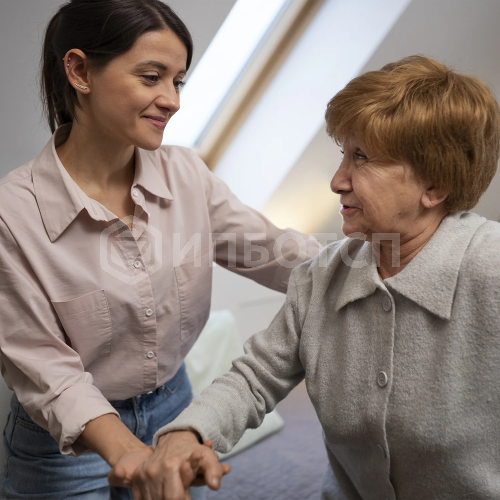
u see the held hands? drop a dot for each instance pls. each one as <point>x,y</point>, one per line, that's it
<point>166,474</point>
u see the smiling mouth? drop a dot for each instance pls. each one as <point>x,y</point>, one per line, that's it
<point>157,121</point>
<point>346,208</point>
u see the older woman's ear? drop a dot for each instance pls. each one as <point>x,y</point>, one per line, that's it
<point>432,197</point>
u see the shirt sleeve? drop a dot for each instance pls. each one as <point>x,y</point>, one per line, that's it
<point>246,242</point>
<point>37,364</point>
<point>257,381</point>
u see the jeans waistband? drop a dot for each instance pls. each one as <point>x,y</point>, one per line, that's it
<point>169,386</point>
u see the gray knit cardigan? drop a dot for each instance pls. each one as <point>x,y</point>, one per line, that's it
<point>404,373</point>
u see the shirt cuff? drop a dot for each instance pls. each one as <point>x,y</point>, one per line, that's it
<point>71,411</point>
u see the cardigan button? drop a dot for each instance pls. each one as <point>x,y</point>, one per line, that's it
<point>382,379</point>
<point>386,304</point>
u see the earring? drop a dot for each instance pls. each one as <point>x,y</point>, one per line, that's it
<point>81,86</point>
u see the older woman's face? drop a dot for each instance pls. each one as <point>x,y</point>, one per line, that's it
<point>376,196</point>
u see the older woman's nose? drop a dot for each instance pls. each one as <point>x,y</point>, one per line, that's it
<point>341,181</point>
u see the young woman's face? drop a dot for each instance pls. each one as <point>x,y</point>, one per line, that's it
<point>135,96</point>
<point>376,196</point>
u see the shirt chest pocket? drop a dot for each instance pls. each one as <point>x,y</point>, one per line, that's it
<point>194,284</point>
<point>87,323</point>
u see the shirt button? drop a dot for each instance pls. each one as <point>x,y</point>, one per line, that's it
<point>386,303</point>
<point>137,264</point>
<point>382,379</point>
<point>135,193</point>
<point>150,355</point>
<point>149,312</point>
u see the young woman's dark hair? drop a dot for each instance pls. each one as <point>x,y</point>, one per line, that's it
<point>102,29</point>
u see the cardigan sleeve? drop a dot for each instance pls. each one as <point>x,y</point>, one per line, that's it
<point>257,381</point>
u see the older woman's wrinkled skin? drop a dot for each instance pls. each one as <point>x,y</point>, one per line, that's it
<point>379,197</point>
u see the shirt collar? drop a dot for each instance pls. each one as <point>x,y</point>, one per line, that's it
<point>60,199</point>
<point>431,278</point>
<point>55,190</point>
<point>148,177</point>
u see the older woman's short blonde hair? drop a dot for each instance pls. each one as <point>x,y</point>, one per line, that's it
<point>446,125</point>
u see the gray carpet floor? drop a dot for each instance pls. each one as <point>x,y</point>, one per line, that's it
<point>286,466</point>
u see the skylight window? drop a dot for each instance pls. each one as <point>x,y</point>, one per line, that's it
<point>235,43</point>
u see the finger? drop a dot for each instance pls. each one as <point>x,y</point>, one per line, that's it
<point>144,493</point>
<point>210,466</point>
<point>136,492</point>
<point>118,477</point>
<point>200,478</point>
<point>208,443</point>
<point>148,478</point>
<point>199,481</point>
<point>173,487</point>
<point>194,460</point>
<point>188,471</point>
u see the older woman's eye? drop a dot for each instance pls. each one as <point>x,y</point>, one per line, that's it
<point>360,156</point>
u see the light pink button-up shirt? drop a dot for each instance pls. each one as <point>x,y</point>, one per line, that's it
<point>92,311</point>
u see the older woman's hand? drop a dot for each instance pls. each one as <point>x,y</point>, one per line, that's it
<point>179,461</point>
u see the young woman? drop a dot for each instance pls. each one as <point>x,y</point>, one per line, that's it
<point>106,241</point>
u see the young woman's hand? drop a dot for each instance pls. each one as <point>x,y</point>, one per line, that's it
<point>178,462</point>
<point>122,474</point>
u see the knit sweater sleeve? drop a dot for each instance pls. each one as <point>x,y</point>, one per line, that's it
<point>257,381</point>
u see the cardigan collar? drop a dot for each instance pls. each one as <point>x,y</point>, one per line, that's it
<point>60,199</point>
<point>362,278</point>
<point>430,279</point>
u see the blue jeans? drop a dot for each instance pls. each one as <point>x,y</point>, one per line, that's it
<point>35,469</point>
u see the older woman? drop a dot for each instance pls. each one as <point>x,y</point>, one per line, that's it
<point>396,331</point>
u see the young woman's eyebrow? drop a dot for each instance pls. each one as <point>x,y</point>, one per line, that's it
<point>159,65</point>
